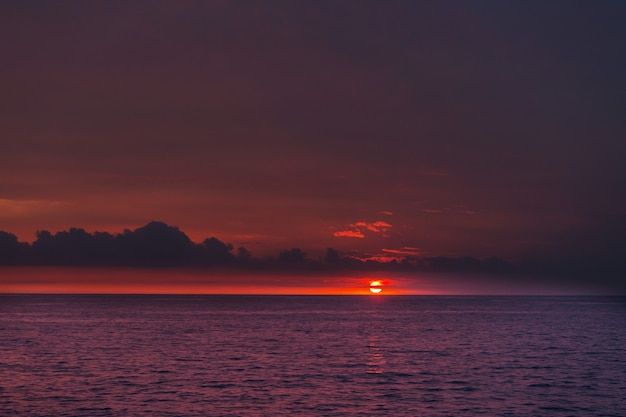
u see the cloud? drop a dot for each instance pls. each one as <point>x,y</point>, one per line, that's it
<point>378,258</point>
<point>403,251</point>
<point>155,244</point>
<point>388,213</point>
<point>385,256</point>
<point>11,251</point>
<point>16,208</point>
<point>358,229</point>
<point>160,245</point>
<point>367,226</point>
<point>293,255</point>
<point>349,233</point>
<point>382,225</point>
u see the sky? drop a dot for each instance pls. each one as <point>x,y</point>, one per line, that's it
<point>380,129</point>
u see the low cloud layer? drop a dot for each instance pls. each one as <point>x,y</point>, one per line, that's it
<point>160,245</point>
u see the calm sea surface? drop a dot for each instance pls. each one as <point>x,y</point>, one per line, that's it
<point>312,356</point>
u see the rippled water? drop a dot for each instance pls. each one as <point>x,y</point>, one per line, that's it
<point>306,355</point>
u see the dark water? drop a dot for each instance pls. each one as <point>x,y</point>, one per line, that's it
<point>318,356</point>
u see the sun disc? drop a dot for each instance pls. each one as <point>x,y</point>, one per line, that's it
<point>376,287</point>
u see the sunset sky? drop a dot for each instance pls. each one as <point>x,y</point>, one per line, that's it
<point>435,128</point>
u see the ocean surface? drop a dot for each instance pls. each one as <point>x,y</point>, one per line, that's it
<point>130,355</point>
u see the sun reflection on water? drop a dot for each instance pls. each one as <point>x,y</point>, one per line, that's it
<point>375,358</point>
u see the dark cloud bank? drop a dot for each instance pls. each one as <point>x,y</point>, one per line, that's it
<point>160,245</point>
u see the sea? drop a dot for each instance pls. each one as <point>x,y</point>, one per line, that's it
<point>234,355</point>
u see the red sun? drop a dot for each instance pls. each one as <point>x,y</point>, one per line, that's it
<point>376,287</point>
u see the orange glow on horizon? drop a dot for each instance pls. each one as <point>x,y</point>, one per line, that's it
<point>61,280</point>
<point>61,288</point>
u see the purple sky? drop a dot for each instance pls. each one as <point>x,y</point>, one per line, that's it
<point>437,128</point>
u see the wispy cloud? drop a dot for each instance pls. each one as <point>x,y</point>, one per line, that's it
<point>359,229</point>
<point>349,233</point>
<point>388,255</point>
<point>15,208</point>
<point>406,250</point>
